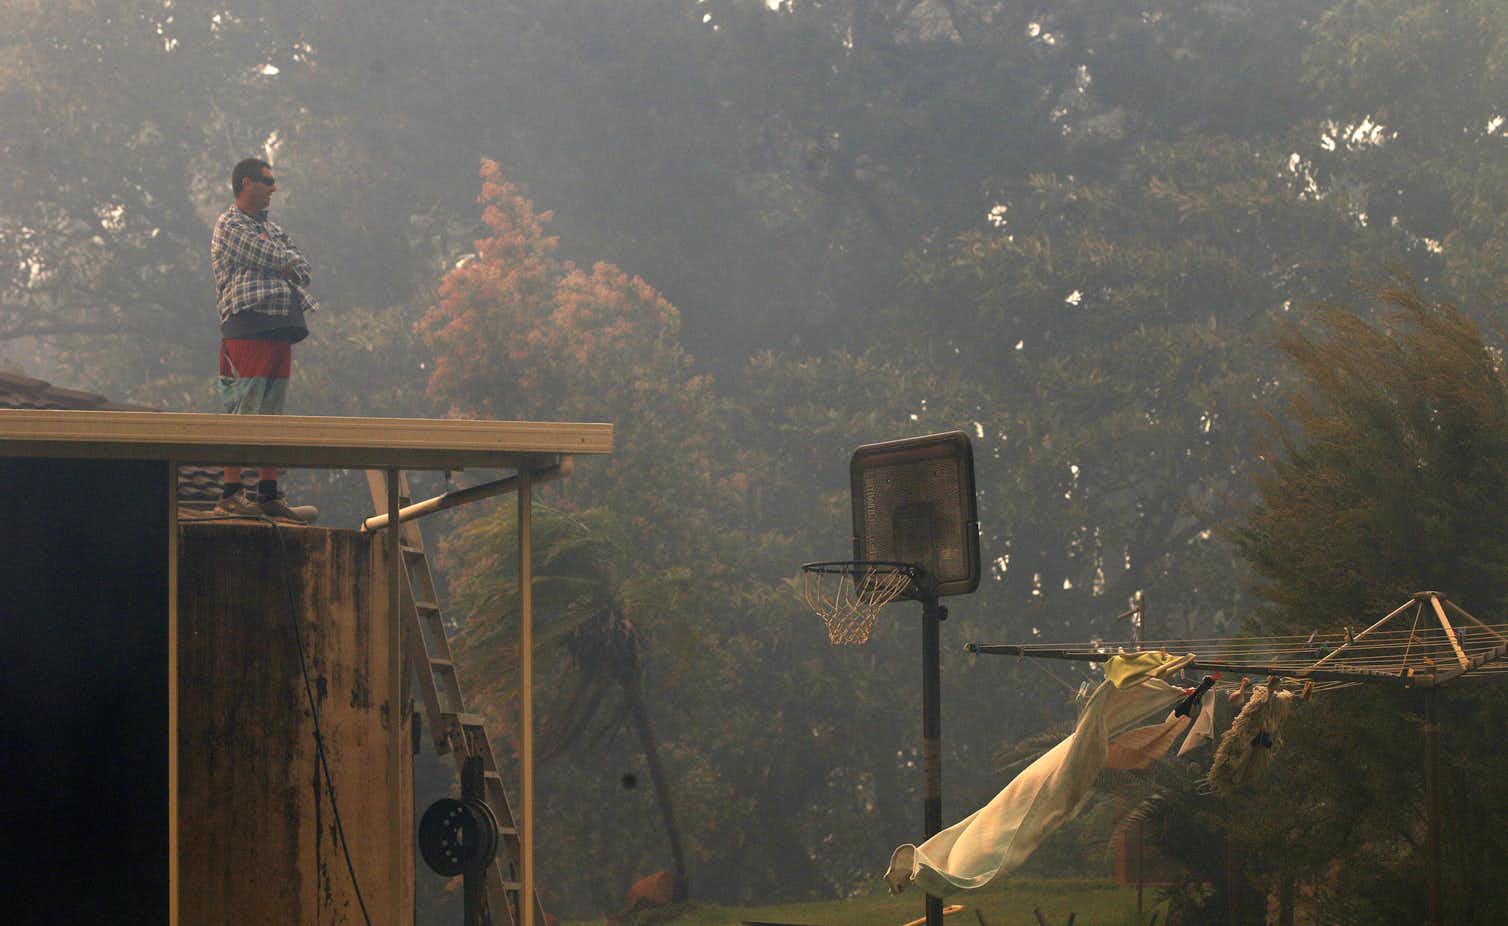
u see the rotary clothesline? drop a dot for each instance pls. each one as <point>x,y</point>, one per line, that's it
<point>1121,726</point>
<point>1388,639</point>
<point>1428,655</point>
<point>993,840</point>
<point>1438,633</point>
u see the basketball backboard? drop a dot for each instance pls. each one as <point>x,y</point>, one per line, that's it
<point>913,502</point>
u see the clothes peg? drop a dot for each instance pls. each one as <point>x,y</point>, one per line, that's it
<point>1350,638</point>
<point>1235,696</point>
<point>1312,646</point>
<point>1191,701</point>
<point>1308,690</point>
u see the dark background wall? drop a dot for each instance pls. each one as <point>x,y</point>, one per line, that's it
<point>83,691</point>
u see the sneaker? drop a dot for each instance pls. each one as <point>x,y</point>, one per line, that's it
<point>278,507</point>
<point>239,505</point>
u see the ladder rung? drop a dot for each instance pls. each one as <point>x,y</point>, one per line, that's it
<point>442,674</point>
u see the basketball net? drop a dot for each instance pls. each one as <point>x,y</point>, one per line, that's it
<point>848,596</point>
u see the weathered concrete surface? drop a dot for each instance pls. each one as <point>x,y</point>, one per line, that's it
<point>258,840</point>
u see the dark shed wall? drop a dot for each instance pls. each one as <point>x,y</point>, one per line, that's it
<point>258,840</point>
<point>83,691</point>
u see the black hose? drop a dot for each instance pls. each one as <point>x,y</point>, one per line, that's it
<point>303,664</point>
<point>319,739</point>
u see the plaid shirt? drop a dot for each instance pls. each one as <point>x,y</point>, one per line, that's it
<point>256,266</point>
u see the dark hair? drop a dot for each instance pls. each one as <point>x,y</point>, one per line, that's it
<point>247,169</point>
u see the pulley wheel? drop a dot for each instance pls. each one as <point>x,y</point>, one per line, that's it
<point>455,835</point>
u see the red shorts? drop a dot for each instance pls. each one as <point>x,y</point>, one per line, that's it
<point>244,358</point>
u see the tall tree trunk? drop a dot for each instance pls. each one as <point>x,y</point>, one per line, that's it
<point>651,748</point>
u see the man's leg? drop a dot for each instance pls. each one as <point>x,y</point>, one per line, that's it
<point>233,390</point>
<point>254,381</point>
<point>271,394</point>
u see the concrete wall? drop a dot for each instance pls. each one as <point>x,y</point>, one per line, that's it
<point>258,840</point>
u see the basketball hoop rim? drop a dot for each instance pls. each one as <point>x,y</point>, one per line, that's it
<point>848,594</point>
<point>846,566</point>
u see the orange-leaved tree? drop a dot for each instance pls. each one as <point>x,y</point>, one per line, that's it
<point>521,333</point>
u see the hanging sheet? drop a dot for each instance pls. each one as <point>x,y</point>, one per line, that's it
<point>999,837</point>
<point>1140,747</point>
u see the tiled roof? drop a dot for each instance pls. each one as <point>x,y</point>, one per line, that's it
<point>198,486</point>
<point>17,391</point>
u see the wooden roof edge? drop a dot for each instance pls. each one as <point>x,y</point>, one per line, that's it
<point>295,440</point>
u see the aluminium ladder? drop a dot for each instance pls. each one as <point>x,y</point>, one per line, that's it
<point>453,728</point>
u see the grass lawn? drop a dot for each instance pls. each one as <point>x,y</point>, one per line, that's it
<point>1097,903</point>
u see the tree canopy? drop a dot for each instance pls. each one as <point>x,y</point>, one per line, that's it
<point>755,235</point>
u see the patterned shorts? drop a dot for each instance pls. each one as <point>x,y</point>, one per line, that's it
<point>254,375</point>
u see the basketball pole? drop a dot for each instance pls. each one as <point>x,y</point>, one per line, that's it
<point>933,614</point>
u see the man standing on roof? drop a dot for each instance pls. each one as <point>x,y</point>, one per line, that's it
<point>261,279</point>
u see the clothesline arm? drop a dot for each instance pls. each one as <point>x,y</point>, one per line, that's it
<point>1412,679</point>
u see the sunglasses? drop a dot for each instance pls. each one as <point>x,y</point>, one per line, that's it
<point>266,181</point>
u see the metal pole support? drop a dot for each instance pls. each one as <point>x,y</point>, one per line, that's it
<point>474,878</point>
<point>1432,802</point>
<point>933,615</point>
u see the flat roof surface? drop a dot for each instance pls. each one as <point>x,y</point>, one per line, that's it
<point>297,440</point>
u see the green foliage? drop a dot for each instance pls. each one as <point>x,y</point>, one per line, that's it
<point>1096,903</point>
<point>1390,473</point>
<point>1386,476</point>
<point>605,617</point>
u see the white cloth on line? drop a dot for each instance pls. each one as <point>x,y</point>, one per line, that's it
<point>1203,729</point>
<point>999,837</point>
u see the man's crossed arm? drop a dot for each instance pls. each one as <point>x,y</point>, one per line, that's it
<point>271,253</point>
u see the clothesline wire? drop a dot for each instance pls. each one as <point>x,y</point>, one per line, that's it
<point>1433,638</point>
<point>1420,656</point>
<point>1283,640</point>
<point>1444,655</point>
<point>1463,627</point>
<point>1374,669</point>
<point>1053,675</point>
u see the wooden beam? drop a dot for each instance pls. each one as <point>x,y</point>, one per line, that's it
<point>172,554</point>
<point>526,689</point>
<point>294,440</point>
<point>471,494</point>
<point>1335,652</point>
<point>1345,674</point>
<point>397,671</point>
<point>1450,633</point>
<point>1462,611</point>
<point>1476,662</point>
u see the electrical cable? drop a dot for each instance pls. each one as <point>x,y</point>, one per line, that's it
<point>303,664</point>
<point>319,739</point>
